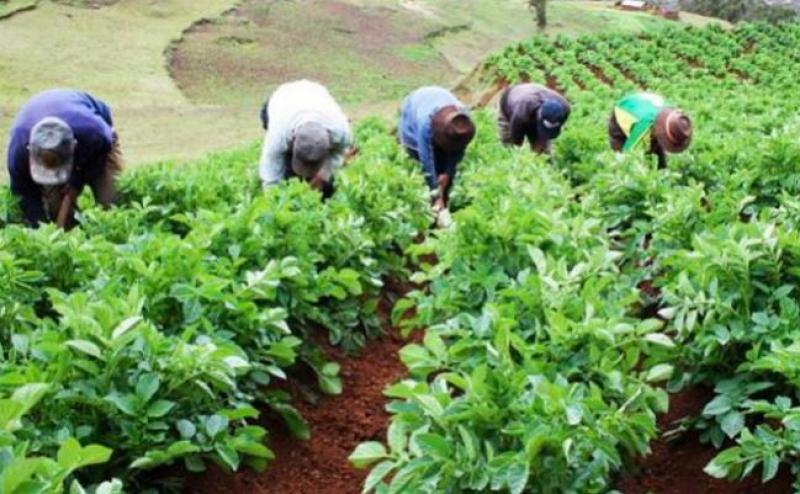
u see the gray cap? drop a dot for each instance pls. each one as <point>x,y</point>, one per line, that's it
<point>312,144</point>
<point>51,147</point>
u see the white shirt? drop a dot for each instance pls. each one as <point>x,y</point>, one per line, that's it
<point>290,106</point>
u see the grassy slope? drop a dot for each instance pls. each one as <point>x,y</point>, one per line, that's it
<point>490,27</point>
<point>364,54</point>
<point>10,7</point>
<point>369,52</point>
<point>118,53</point>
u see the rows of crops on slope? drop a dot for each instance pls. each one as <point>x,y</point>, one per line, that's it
<point>572,295</point>
<point>156,329</point>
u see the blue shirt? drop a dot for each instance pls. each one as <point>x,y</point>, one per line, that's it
<point>90,120</point>
<point>416,131</point>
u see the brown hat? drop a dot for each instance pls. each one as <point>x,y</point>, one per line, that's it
<point>673,130</point>
<point>453,129</point>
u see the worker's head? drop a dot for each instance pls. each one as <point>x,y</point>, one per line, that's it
<point>311,146</point>
<point>453,129</point>
<point>552,116</point>
<point>51,147</point>
<point>673,130</point>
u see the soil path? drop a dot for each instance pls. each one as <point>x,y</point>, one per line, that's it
<point>338,424</point>
<point>676,467</point>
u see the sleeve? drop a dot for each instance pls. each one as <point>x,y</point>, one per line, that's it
<point>22,185</point>
<point>638,132</point>
<point>101,108</point>
<point>451,165</point>
<point>426,154</point>
<point>273,153</point>
<point>521,119</point>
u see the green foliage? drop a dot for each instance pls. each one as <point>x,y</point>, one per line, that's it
<point>160,325</point>
<point>569,291</point>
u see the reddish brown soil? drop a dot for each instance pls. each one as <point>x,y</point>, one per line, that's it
<point>693,62</point>
<point>629,75</point>
<point>600,75</point>
<point>740,75</point>
<point>338,424</point>
<point>676,467</point>
<point>552,82</point>
<point>490,93</point>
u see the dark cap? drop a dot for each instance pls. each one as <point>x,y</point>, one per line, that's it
<point>312,144</point>
<point>673,130</point>
<point>453,129</point>
<point>552,115</point>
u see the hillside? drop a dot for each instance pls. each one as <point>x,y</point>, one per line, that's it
<point>224,60</point>
<point>589,323</point>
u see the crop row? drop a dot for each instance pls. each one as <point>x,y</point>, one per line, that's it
<point>156,329</point>
<point>570,289</point>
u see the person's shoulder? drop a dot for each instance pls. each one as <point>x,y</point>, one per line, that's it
<point>432,92</point>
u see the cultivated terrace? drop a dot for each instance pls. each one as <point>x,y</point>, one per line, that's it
<point>572,297</point>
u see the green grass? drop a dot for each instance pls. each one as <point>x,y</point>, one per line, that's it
<point>10,7</point>
<point>116,53</point>
<point>495,24</point>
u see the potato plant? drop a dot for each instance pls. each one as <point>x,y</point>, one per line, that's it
<point>159,326</point>
<point>574,293</point>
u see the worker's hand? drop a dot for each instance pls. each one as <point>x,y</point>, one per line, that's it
<point>66,211</point>
<point>443,219</point>
<point>351,153</point>
<point>439,205</point>
<point>444,183</point>
<point>317,182</point>
<point>539,146</point>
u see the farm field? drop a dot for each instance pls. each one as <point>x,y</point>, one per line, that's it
<point>582,311</point>
<point>186,77</point>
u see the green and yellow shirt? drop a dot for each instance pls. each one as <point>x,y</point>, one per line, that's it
<point>636,115</point>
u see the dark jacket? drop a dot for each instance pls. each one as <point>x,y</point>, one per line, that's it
<point>519,105</point>
<point>90,120</point>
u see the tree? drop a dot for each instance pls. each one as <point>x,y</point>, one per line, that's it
<point>540,7</point>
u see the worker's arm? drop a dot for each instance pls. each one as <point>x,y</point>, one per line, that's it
<point>662,160</point>
<point>656,149</point>
<point>446,179</point>
<point>540,145</point>
<point>427,156</point>
<point>66,212</point>
<point>273,155</point>
<point>523,118</point>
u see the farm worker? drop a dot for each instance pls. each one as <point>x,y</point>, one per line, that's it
<point>532,111</point>
<point>436,128</point>
<point>61,140</point>
<point>307,136</point>
<point>645,117</point>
